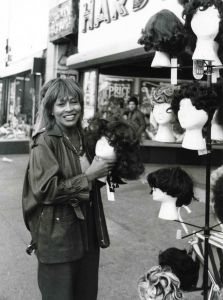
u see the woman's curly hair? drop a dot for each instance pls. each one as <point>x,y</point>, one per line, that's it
<point>162,94</point>
<point>162,281</point>
<point>122,136</point>
<point>175,182</point>
<point>164,32</point>
<point>190,9</point>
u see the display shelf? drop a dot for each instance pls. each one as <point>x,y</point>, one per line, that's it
<point>173,153</point>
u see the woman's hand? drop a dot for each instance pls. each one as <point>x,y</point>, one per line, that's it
<point>99,168</point>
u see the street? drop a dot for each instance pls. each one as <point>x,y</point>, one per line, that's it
<point>136,235</point>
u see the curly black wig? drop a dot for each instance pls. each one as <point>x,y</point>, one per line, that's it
<point>175,182</point>
<point>190,9</point>
<point>164,32</point>
<point>182,265</point>
<point>202,97</point>
<point>123,137</point>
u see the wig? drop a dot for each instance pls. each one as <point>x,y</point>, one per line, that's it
<point>190,9</point>
<point>158,282</point>
<point>60,88</point>
<point>175,182</point>
<point>122,136</point>
<point>182,265</point>
<point>162,94</point>
<point>217,192</point>
<point>201,97</point>
<point>164,32</point>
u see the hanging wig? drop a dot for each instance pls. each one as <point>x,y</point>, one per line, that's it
<point>162,94</point>
<point>161,282</point>
<point>201,97</point>
<point>122,136</point>
<point>190,9</point>
<point>182,265</point>
<point>175,182</point>
<point>217,192</point>
<point>164,32</point>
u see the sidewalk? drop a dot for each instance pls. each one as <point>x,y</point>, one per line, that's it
<point>136,235</point>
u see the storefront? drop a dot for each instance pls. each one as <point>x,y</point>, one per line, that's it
<point>110,61</point>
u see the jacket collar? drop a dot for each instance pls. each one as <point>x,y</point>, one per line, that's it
<point>55,131</point>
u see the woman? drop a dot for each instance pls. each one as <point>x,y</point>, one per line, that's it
<point>61,200</point>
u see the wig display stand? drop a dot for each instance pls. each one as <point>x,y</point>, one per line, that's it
<point>206,228</point>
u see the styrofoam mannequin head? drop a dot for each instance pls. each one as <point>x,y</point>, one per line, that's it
<point>205,48</point>
<point>161,59</point>
<point>216,129</point>
<point>163,117</point>
<point>161,113</point>
<point>190,117</point>
<point>193,120</point>
<point>168,209</point>
<point>103,150</point>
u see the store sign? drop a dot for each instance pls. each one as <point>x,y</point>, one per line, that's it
<point>97,11</point>
<point>61,21</point>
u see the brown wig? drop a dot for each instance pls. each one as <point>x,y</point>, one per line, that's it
<point>175,182</point>
<point>164,32</point>
<point>122,136</point>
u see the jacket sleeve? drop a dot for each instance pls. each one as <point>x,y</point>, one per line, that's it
<point>46,184</point>
<point>142,124</point>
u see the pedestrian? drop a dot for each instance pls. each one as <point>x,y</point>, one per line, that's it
<point>135,115</point>
<point>62,204</point>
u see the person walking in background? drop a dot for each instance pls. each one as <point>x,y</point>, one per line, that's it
<point>61,199</point>
<point>135,115</point>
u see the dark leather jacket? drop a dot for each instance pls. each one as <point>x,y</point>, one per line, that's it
<point>56,198</point>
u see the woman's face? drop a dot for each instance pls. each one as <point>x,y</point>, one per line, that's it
<point>190,117</point>
<point>160,113</point>
<point>67,111</point>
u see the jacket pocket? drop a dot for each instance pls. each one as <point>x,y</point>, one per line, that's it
<point>59,239</point>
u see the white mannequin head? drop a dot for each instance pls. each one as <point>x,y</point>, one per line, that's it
<point>164,118</point>
<point>161,59</point>
<point>216,129</point>
<point>162,113</point>
<point>209,18</point>
<point>168,209</point>
<point>103,150</point>
<point>193,120</point>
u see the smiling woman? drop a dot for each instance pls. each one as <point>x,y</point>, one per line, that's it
<point>61,199</point>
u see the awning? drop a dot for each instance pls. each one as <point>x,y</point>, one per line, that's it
<point>101,56</point>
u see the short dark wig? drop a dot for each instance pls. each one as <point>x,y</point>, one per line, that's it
<point>175,182</point>
<point>190,9</point>
<point>164,32</point>
<point>202,97</point>
<point>182,265</point>
<point>60,88</point>
<point>122,136</point>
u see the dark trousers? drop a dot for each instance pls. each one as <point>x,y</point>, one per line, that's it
<point>76,280</point>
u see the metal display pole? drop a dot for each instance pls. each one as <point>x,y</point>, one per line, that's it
<point>207,200</point>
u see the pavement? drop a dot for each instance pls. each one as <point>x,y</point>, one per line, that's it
<point>136,234</point>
